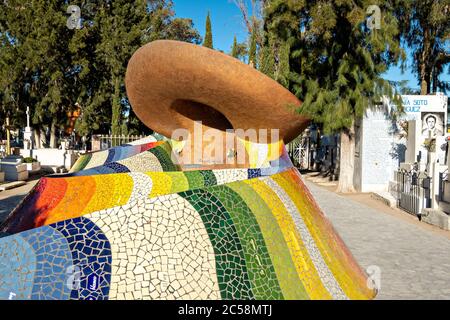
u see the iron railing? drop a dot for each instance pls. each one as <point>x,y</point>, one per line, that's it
<point>443,176</point>
<point>110,141</point>
<point>413,191</point>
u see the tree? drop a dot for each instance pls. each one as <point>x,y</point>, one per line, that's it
<point>253,23</point>
<point>334,63</point>
<point>36,32</point>
<point>54,70</point>
<point>238,50</point>
<point>181,29</point>
<point>208,34</point>
<point>252,54</point>
<point>425,28</point>
<point>234,49</point>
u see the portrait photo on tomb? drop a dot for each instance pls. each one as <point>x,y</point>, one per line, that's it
<point>433,123</point>
<point>224,158</point>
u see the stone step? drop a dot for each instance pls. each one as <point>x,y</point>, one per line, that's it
<point>436,217</point>
<point>385,197</point>
<point>444,206</point>
<point>11,185</point>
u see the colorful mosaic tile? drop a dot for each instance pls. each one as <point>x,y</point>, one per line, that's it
<point>128,223</point>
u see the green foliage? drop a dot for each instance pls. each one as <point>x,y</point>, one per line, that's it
<point>54,70</point>
<point>29,160</point>
<point>325,54</point>
<point>238,50</point>
<point>234,52</point>
<point>425,27</point>
<point>208,42</point>
<point>252,54</point>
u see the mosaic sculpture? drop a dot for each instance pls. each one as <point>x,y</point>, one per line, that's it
<point>133,222</point>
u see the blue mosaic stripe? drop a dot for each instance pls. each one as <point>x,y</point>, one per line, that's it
<point>17,268</point>
<point>91,254</point>
<point>53,259</point>
<point>254,173</point>
<point>111,153</point>
<point>117,167</point>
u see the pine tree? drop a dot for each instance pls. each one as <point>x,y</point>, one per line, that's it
<point>42,68</point>
<point>335,63</point>
<point>208,42</point>
<point>425,27</point>
<point>53,70</point>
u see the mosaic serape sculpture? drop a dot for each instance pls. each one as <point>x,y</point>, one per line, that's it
<point>134,222</point>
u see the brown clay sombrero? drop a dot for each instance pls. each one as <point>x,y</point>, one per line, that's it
<point>171,84</point>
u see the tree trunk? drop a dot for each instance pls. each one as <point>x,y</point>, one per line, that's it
<point>425,67</point>
<point>42,138</point>
<point>347,161</point>
<point>37,138</point>
<point>53,143</point>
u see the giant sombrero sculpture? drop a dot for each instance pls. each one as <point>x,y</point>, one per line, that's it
<point>135,222</point>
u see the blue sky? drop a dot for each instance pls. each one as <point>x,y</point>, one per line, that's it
<point>226,20</point>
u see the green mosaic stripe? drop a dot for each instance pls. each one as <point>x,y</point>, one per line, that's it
<point>167,147</point>
<point>164,159</point>
<point>179,181</point>
<point>195,179</point>
<point>288,279</point>
<point>208,177</point>
<point>232,274</point>
<point>260,269</point>
<point>81,163</point>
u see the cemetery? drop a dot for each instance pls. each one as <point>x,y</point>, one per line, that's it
<point>289,150</point>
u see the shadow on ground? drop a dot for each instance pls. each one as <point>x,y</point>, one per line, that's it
<point>8,204</point>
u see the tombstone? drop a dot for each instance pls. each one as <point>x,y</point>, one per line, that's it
<point>14,168</point>
<point>412,142</point>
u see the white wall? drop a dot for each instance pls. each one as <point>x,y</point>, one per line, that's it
<point>381,149</point>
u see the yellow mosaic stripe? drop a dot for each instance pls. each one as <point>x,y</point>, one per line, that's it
<point>161,183</point>
<point>353,288</point>
<point>167,182</point>
<point>260,153</point>
<point>276,246</point>
<point>305,268</point>
<point>112,190</point>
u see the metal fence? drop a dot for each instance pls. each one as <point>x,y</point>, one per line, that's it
<point>443,176</point>
<point>110,141</point>
<point>299,152</point>
<point>413,192</point>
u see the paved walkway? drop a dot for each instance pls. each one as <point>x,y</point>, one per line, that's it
<point>9,199</point>
<point>414,261</point>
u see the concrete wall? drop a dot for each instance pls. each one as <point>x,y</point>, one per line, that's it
<point>52,157</point>
<point>381,150</point>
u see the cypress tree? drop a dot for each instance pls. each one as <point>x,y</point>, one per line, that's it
<point>252,54</point>
<point>234,49</point>
<point>208,42</point>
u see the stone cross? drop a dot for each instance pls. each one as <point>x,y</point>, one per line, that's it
<point>28,116</point>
